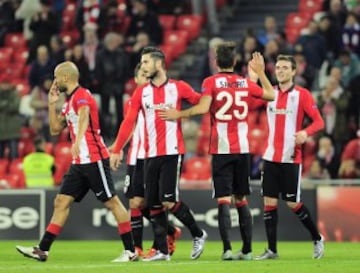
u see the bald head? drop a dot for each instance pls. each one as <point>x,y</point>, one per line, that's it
<point>69,70</point>
<point>66,76</point>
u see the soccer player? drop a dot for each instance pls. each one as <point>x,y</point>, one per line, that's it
<point>282,157</point>
<point>227,96</point>
<point>134,184</point>
<point>90,169</point>
<point>164,146</point>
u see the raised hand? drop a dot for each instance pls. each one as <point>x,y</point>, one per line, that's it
<point>54,94</point>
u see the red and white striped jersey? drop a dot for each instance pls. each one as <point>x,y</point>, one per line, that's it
<point>161,137</point>
<point>137,147</point>
<point>285,117</point>
<point>92,147</point>
<point>229,109</point>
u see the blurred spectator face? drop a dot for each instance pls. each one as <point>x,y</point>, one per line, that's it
<point>313,27</point>
<point>142,39</point>
<point>90,34</point>
<point>270,23</point>
<point>324,23</point>
<point>335,6</point>
<point>331,85</point>
<point>345,59</point>
<point>42,54</point>
<point>55,43</point>
<point>250,44</point>
<point>351,19</point>
<point>335,72</point>
<point>271,47</point>
<point>325,144</point>
<point>77,52</point>
<point>139,7</point>
<point>112,41</point>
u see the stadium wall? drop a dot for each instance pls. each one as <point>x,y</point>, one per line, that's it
<point>25,213</point>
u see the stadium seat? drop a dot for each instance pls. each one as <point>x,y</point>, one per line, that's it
<point>297,20</point>
<point>61,167</point>
<point>22,86</point>
<point>6,54</point>
<point>130,86</point>
<point>64,136</point>
<point>11,181</point>
<point>197,168</point>
<point>168,52</point>
<point>310,6</point>
<point>191,24</point>
<point>4,165</point>
<point>178,40</point>
<point>25,148</point>
<point>70,10</point>
<point>292,35</point>
<point>257,140</point>
<point>167,21</point>
<point>68,23</point>
<point>16,168</point>
<point>63,150</point>
<point>15,40</point>
<point>70,38</point>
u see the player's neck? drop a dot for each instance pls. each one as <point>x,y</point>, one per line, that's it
<point>285,86</point>
<point>71,88</point>
<point>159,79</point>
<point>226,70</point>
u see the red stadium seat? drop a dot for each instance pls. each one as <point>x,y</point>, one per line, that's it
<point>70,10</point>
<point>63,150</point>
<point>257,140</point>
<point>11,181</point>
<point>297,20</point>
<point>4,165</point>
<point>167,21</point>
<point>16,168</point>
<point>191,24</point>
<point>178,40</point>
<point>168,52</point>
<point>292,35</point>
<point>6,54</point>
<point>130,86</point>
<point>64,136</point>
<point>310,6</point>
<point>25,148</point>
<point>197,168</point>
<point>70,38</point>
<point>22,86</point>
<point>15,40</point>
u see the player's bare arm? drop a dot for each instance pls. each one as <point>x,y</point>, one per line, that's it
<point>84,112</point>
<point>257,65</point>
<point>57,122</point>
<point>201,108</point>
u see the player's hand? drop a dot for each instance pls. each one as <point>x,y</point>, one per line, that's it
<point>169,114</point>
<point>115,160</point>
<point>54,94</point>
<point>300,137</point>
<point>257,63</point>
<point>252,74</point>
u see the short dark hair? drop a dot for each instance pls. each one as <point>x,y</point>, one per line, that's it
<point>225,55</point>
<point>154,52</point>
<point>288,58</point>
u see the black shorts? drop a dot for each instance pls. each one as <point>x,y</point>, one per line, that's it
<point>94,176</point>
<point>134,180</point>
<point>231,174</point>
<point>284,178</point>
<point>162,177</point>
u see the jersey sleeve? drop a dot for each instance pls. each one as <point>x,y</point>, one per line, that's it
<point>255,90</point>
<point>312,111</point>
<point>128,124</point>
<point>82,98</point>
<point>188,93</point>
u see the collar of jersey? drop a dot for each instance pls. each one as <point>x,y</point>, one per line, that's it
<point>69,96</point>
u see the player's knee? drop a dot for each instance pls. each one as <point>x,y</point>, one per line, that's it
<point>136,203</point>
<point>62,201</point>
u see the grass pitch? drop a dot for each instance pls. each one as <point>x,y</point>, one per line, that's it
<point>95,257</point>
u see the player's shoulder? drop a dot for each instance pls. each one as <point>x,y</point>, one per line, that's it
<point>302,89</point>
